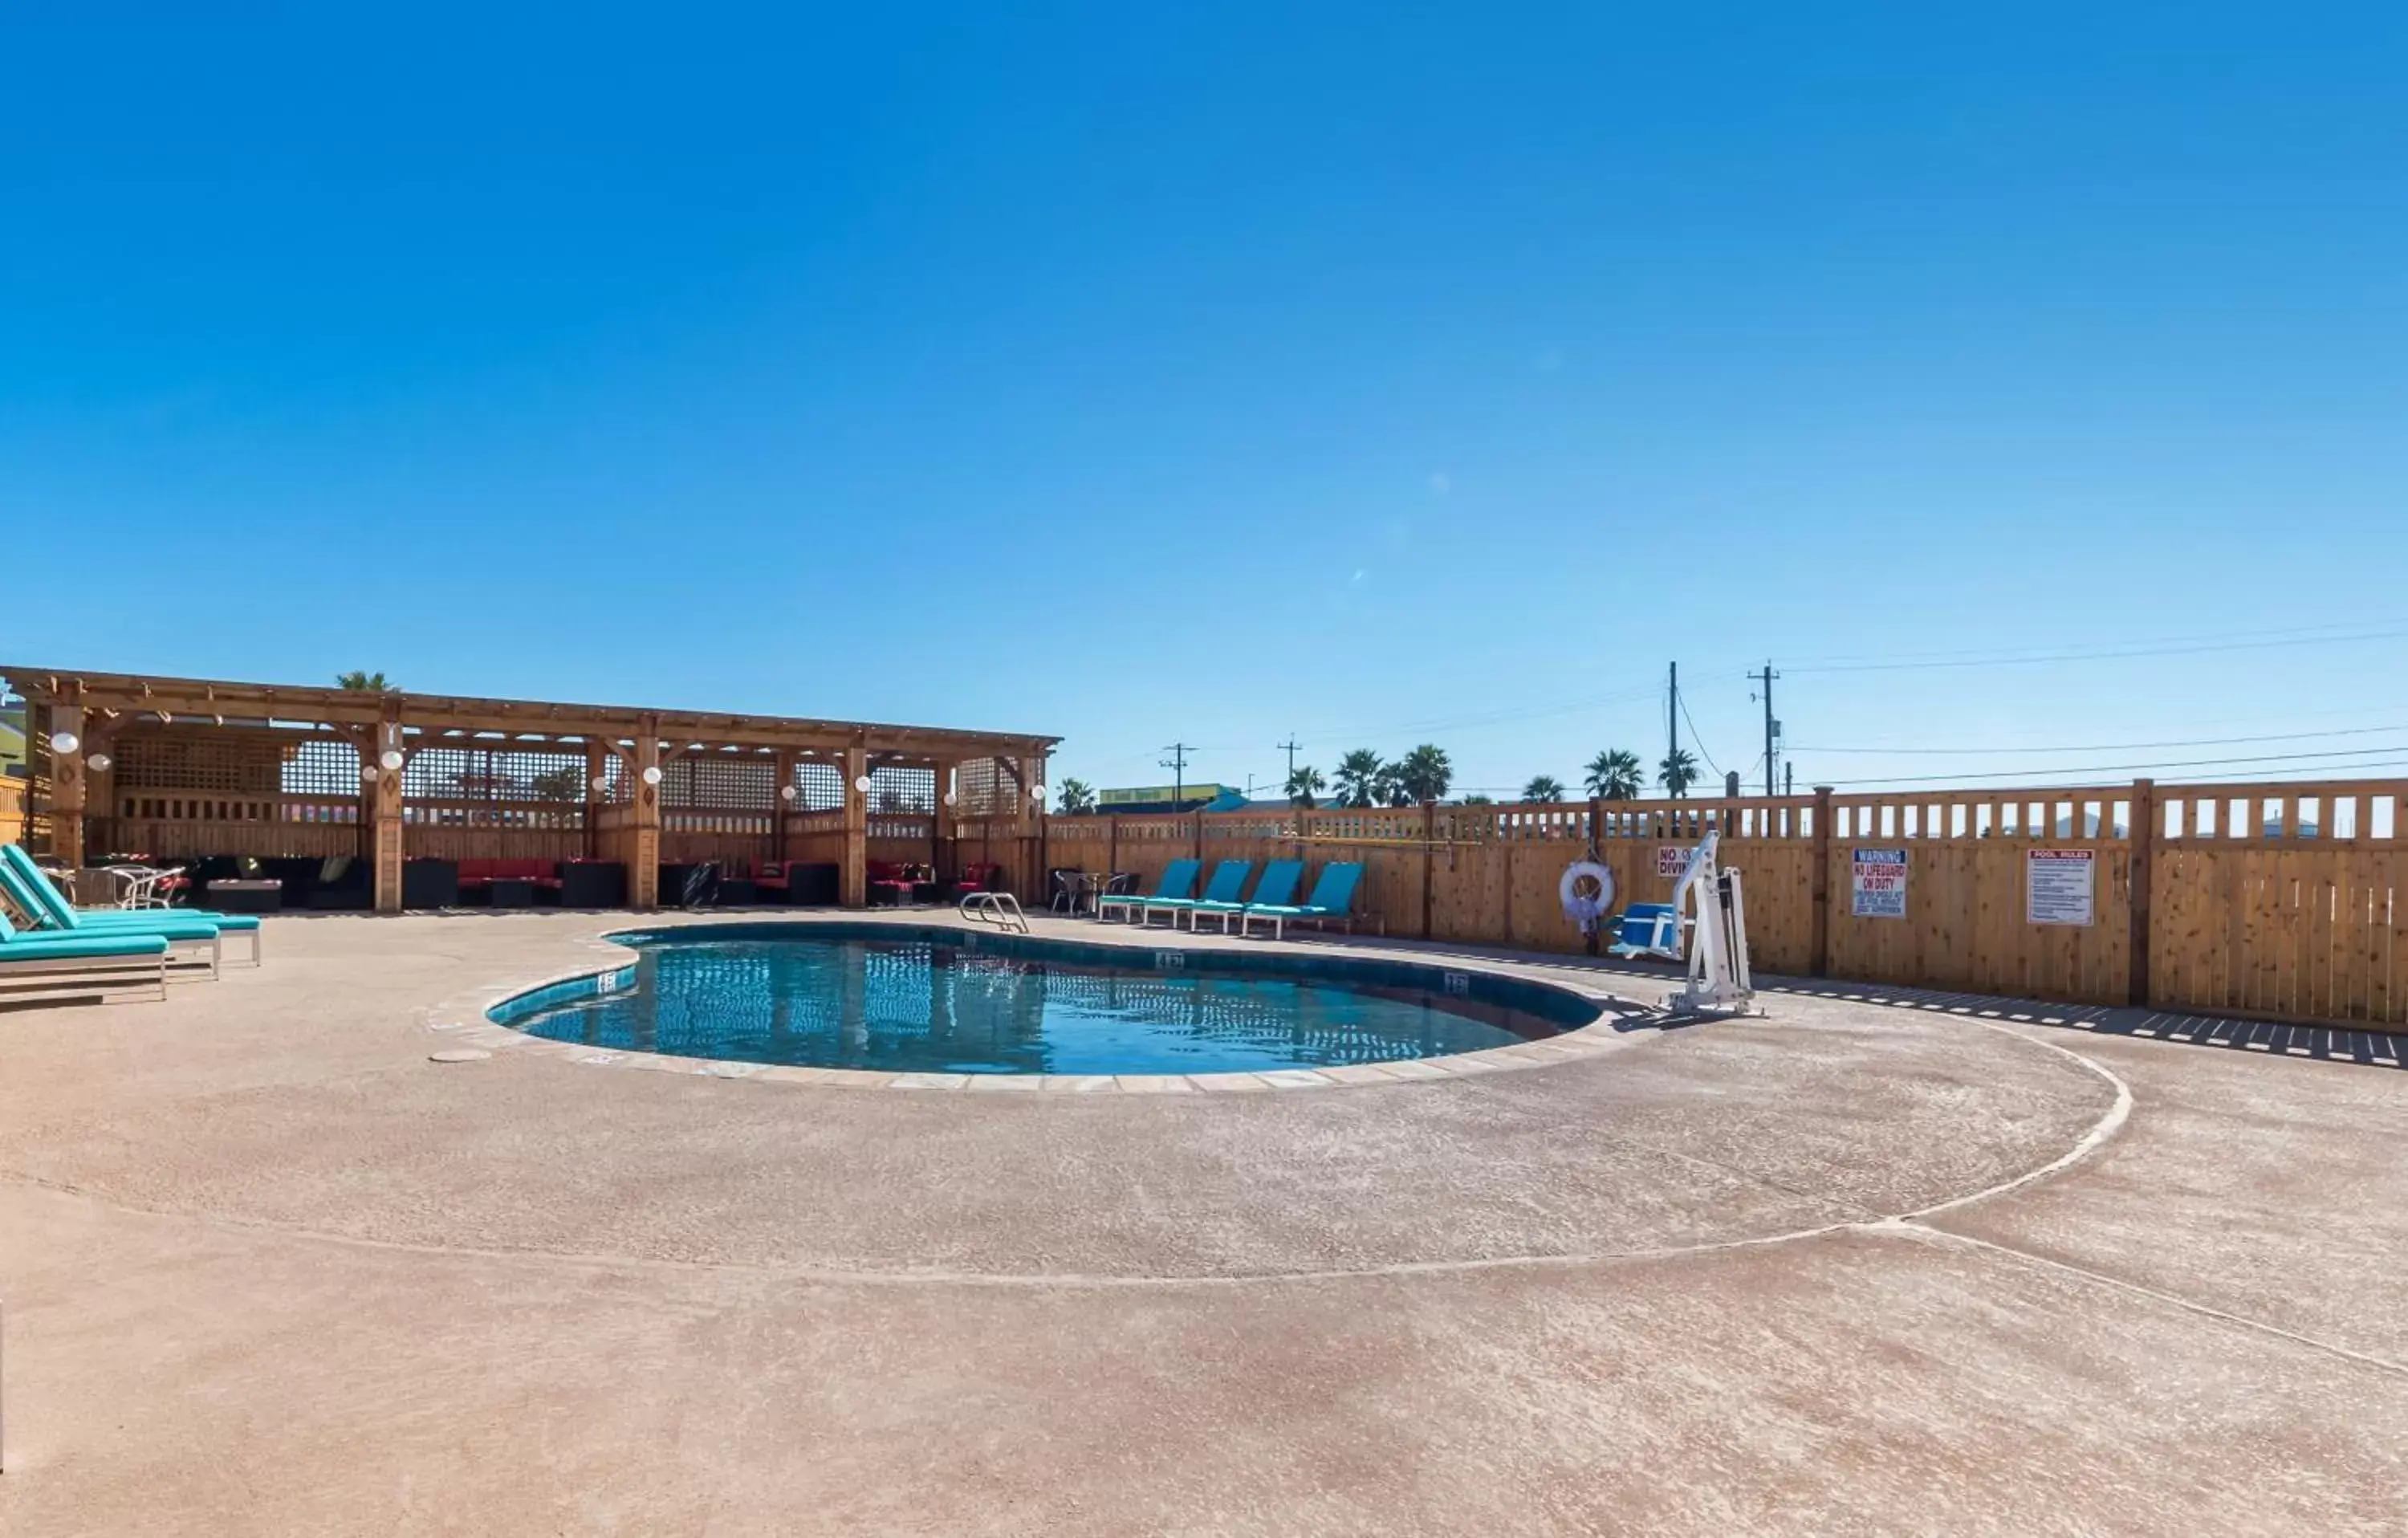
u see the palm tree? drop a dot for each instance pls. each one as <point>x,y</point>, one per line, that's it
<point>1542,787</point>
<point>1677,772</point>
<point>1303,783</point>
<point>1614,775</point>
<point>1388,787</point>
<point>1425,774</point>
<point>373,683</point>
<point>1476,801</point>
<point>1075,796</point>
<point>1360,779</point>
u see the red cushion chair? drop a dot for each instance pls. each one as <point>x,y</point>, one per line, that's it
<point>478,874</point>
<point>889,883</point>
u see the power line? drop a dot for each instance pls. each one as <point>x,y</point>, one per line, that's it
<point>1698,736</point>
<point>2120,747</point>
<point>2169,648</point>
<point>2062,771</point>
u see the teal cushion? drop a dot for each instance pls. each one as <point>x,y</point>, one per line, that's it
<point>135,918</point>
<point>153,923</point>
<point>23,949</point>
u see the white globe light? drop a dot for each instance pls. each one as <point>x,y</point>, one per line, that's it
<point>64,742</point>
<point>861,784</point>
<point>952,799</point>
<point>652,774</point>
<point>100,761</point>
<point>601,782</point>
<point>1037,792</point>
<point>368,773</point>
<point>785,793</point>
<point>391,758</point>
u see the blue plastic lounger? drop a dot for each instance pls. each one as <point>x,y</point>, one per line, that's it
<point>1178,881</point>
<point>1648,928</point>
<point>36,968</point>
<point>1228,880</point>
<point>1276,888</point>
<point>195,940</point>
<point>1332,902</point>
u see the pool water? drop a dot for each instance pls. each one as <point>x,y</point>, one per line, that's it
<point>921,1005</point>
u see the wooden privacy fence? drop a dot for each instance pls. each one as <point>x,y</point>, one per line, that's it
<point>2283,900</point>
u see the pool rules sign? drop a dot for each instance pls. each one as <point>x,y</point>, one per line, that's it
<point>2060,886</point>
<point>1877,882</point>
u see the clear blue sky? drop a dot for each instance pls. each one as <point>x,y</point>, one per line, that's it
<point>1141,373</point>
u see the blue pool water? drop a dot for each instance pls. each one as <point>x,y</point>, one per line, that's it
<point>926,1002</point>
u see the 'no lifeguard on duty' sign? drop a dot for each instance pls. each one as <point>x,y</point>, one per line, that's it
<point>1877,882</point>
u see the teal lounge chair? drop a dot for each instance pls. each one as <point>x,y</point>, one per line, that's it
<point>1276,889</point>
<point>1178,881</point>
<point>37,969</point>
<point>1332,902</point>
<point>195,940</point>
<point>1228,880</point>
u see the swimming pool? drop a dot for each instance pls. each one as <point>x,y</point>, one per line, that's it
<point>902,1000</point>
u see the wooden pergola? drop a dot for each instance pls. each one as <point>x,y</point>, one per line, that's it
<point>175,767</point>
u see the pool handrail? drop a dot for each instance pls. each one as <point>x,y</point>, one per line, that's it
<point>1000,909</point>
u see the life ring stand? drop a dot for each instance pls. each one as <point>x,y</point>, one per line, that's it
<point>1587,892</point>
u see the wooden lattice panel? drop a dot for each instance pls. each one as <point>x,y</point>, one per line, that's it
<point>321,766</point>
<point>494,775</point>
<point>214,761</point>
<point>818,785</point>
<point>719,781</point>
<point>895,789</point>
<point>985,788</point>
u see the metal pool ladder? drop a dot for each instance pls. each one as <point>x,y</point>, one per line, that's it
<point>1000,909</point>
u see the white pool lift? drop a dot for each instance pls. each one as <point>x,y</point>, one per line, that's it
<point>1719,983</point>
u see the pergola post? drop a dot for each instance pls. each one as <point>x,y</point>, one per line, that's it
<point>779,804</point>
<point>68,785</point>
<point>1032,822</point>
<point>940,838</point>
<point>590,793</point>
<point>644,830</point>
<point>853,878</point>
<point>388,844</point>
<point>99,783</point>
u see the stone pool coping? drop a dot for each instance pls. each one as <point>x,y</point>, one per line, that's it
<point>463,1016</point>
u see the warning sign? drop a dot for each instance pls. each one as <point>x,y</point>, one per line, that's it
<point>1671,859</point>
<point>2060,886</point>
<point>1877,878</point>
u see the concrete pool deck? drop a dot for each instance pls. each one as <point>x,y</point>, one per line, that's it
<point>1853,1267</point>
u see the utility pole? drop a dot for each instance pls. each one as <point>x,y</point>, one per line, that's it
<point>1673,724</point>
<point>1789,779</point>
<point>1771,727</point>
<point>1291,745</point>
<point>1176,764</point>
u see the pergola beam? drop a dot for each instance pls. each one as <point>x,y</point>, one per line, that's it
<point>351,707</point>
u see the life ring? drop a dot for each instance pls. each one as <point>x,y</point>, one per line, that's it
<point>1587,892</point>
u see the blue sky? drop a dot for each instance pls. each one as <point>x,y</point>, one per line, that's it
<point>1377,374</point>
